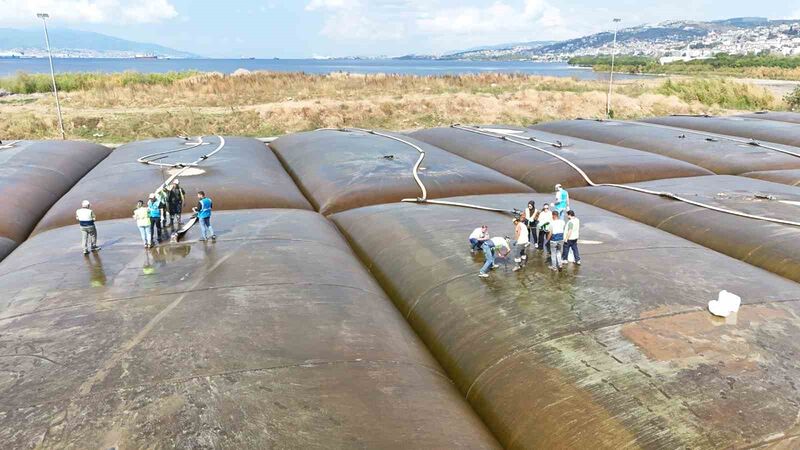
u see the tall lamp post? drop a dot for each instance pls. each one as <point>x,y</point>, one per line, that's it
<point>44,17</point>
<point>611,76</point>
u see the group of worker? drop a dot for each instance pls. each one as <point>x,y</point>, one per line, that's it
<point>557,230</point>
<point>163,210</point>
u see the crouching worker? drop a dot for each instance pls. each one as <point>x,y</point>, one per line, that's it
<point>571,236</point>
<point>86,218</point>
<point>522,242</point>
<point>477,238</point>
<point>495,246</point>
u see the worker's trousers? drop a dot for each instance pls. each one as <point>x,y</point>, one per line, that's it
<point>556,248</point>
<point>147,237</point>
<point>89,237</point>
<point>155,229</point>
<point>488,252</point>
<point>206,231</point>
<point>571,245</point>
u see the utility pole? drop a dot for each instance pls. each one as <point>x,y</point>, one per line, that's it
<point>611,76</point>
<point>44,17</point>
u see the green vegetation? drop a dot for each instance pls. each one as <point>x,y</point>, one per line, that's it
<point>753,65</point>
<point>24,83</point>
<point>130,106</point>
<point>793,99</point>
<point>719,92</point>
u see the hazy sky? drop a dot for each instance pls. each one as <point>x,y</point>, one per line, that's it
<point>302,28</point>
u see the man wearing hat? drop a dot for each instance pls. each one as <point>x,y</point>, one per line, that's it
<point>562,201</point>
<point>175,197</point>
<point>86,218</point>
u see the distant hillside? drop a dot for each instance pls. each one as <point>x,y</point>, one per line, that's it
<point>73,43</point>
<point>690,39</point>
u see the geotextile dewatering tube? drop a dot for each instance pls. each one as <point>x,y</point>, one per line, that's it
<point>415,173</point>
<point>588,180</point>
<point>707,135</point>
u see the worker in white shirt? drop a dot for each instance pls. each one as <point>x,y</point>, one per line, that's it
<point>521,243</point>
<point>86,218</point>
<point>545,217</point>
<point>478,237</point>
<point>571,236</point>
<point>493,247</point>
<point>556,238</point>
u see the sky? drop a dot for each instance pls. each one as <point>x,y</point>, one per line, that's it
<point>324,28</point>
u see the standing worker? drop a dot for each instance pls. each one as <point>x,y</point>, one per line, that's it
<point>496,244</point>
<point>532,221</point>
<point>545,217</point>
<point>571,236</point>
<point>556,239</point>
<point>161,195</point>
<point>175,198</point>
<point>142,216</point>
<point>154,210</point>
<point>478,237</point>
<point>86,218</point>
<point>521,234</point>
<point>203,210</point>
<point>562,201</point>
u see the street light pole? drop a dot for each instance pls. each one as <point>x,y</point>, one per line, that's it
<point>611,76</point>
<point>44,17</point>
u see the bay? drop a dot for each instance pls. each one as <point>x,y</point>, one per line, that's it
<point>9,66</point>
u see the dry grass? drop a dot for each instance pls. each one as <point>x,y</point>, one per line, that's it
<point>263,104</point>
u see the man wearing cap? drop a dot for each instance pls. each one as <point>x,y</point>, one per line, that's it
<point>496,244</point>
<point>175,197</point>
<point>86,218</point>
<point>562,202</point>
<point>154,209</point>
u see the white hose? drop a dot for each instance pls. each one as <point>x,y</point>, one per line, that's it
<point>415,172</point>
<point>622,186</point>
<point>8,145</point>
<point>148,159</point>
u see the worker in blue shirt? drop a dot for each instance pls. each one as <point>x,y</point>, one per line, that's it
<point>562,201</point>
<point>203,210</point>
<point>154,210</point>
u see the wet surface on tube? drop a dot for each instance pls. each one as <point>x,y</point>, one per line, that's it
<point>772,246</point>
<point>720,156</point>
<point>790,177</point>
<point>762,130</point>
<point>617,353</point>
<point>343,170</point>
<point>244,174</point>
<point>778,116</point>
<point>274,336</point>
<point>33,176</point>
<point>603,163</point>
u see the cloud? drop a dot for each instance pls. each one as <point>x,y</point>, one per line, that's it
<point>497,16</point>
<point>437,23</point>
<point>87,11</point>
